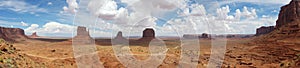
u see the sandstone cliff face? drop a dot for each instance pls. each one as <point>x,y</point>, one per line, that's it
<point>287,25</point>
<point>264,30</point>
<point>12,34</point>
<point>289,13</point>
<point>288,22</point>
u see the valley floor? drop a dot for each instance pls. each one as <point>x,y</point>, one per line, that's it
<point>240,53</point>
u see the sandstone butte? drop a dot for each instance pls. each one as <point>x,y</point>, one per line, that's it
<point>34,35</point>
<point>83,36</point>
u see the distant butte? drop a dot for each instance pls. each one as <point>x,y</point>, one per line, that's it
<point>83,36</point>
<point>264,30</point>
<point>148,35</point>
<point>34,35</point>
<point>119,39</point>
<point>120,36</point>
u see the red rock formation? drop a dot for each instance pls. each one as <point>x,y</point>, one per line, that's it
<point>196,36</point>
<point>120,36</point>
<point>12,34</point>
<point>148,34</point>
<point>204,35</point>
<point>264,30</point>
<point>119,39</point>
<point>287,25</point>
<point>83,36</point>
<point>34,35</point>
<point>288,13</point>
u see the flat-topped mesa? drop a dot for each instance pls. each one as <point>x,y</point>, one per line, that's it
<point>12,34</point>
<point>83,36</point>
<point>82,31</point>
<point>264,30</point>
<point>148,34</point>
<point>196,36</point>
<point>288,13</point>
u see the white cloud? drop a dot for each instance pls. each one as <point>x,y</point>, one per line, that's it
<point>265,1</point>
<point>24,24</point>
<point>72,6</point>
<point>32,28</point>
<point>50,28</point>
<point>49,3</point>
<point>20,6</point>
<point>58,29</point>
<point>105,9</point>
<point>245,22</point>
<point>140,14</point>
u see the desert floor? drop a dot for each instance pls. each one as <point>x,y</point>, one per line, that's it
<point>240,53</point>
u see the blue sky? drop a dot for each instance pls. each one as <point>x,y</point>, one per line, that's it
<point>55,17</point>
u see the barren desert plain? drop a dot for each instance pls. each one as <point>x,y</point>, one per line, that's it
<point>276,46</point>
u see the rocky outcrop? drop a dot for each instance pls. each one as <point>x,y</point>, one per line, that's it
<point>289,13</point>
<point>34,35</point>
<point>119,36</point>
<point>191,36</point>
<point>148,35</point>
<point>12,34</point>
<point>204,35</point>
<point>287,25</point>
<point>83,36</point>
<point>264,30</point>
<point>119,39</point>
<point>196,36</point>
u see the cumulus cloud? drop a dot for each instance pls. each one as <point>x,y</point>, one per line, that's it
<point>24,24</point>
<point>139,9</point>
<point>49,3</point>
<point>192,18</point>
<point>245,21</point>
<point>50,28</point>
<point>72,6</point>
<point>106,9</point>
<point>32,28</point>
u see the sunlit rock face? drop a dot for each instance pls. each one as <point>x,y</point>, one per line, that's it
<point>287,25</point>
<point>12,34</point>
<point>289,13</point>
